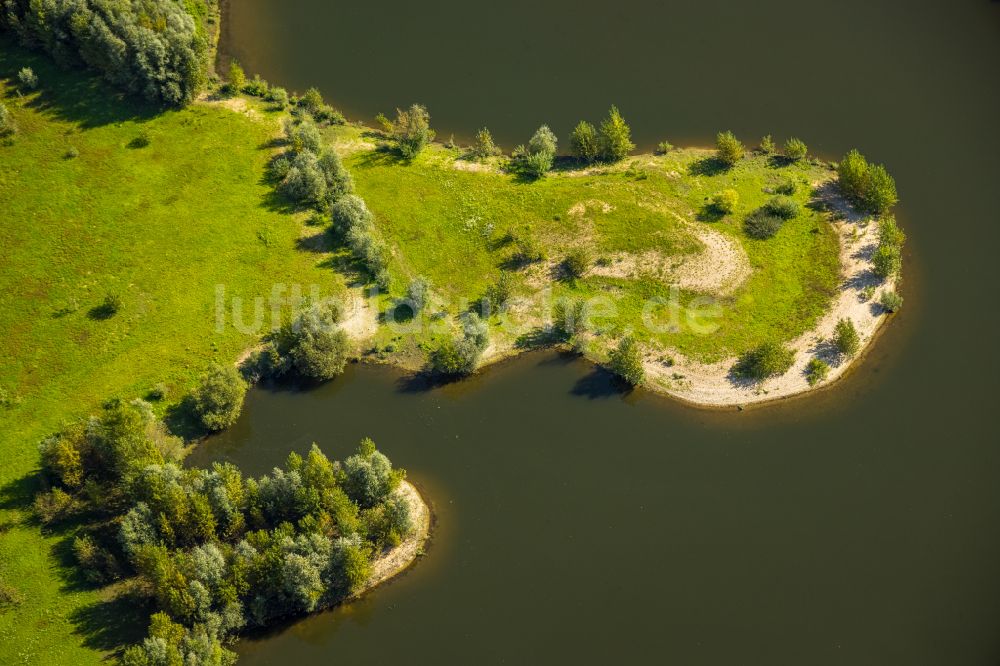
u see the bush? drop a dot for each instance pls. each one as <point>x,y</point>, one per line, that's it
<point>729,150</point>
<point>880,190</point>
<point>786,187</point>
<point>7,125</point>
<point>237,78</point>
<point>664,147</point>
<point>867,185</point>
<point>411,130</point>
<point>311,180</point>
<point>53,506</point>
<point>845,337</point>
<point>889,232</point>
<point>795,149</point>
<point>484,147</point>
<point>890,301</point>
<point>817,370</point>
<point>351,212</point>
<point>277,96</point>
<point>625,360</point>
<point>141,140</point>
<point>328,114</point>
<point>762,225</point>
<point>615,138</point>
<point>527,250</point>
<point>782,206</point>
<point>27,78</point>
<point>583,143</point>
<point>887,261</point>
<point>312,100</point>
<point>218,398</point>
<point>577,262</point>
<point>725,201</point>
<point>768,360</point>
<point>303,136</point>
<point>256,87</point>
<point>499,292</point>
<point>110,306</point>
<point>535,160</point>
<point>72,153</point>
<point>569,318</point>
<point>767,145</point>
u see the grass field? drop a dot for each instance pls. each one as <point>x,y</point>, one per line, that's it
<point>159,225</point>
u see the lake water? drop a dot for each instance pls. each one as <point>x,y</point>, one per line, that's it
<point>860,525</point>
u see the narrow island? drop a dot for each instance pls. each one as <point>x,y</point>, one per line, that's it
<point>164,219</point>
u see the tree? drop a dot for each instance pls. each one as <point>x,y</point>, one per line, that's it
<point>795,149</point>
<point>845,337</point>
<point>880,190</point>
<point>237,77</point>
<point>499,292</point>
<point>729,150</point>
<point>411,130</point>
<point>368,477</point>
<point>569,318</point>
<point>852,174</point>
<point>615,139</point>
<point>767,145</point>
<point>459,356</point>
<point>311,100</point>
<point>577,262</point>
<point>625,360</point>
<point>769,359</point>
<point>303,136</point>
<point>484,146</point>
<point>867,185</point>
<point>887,261</point>
<point>218,398</point>
<point>583,142</point>
<point>890,301</point>
<point>419,293</point>
<point>319,347</point>
<point>537,158</point>
<point>889,232</point>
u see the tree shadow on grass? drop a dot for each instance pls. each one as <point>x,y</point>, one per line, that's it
<point>182,420</point>
<point>113,624</point>
<point>73,95</point>
<point>710,213</point>
<point>381,156</point>
<point>708,166</point>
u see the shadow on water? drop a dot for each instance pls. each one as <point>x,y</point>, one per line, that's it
<point>600,383</point>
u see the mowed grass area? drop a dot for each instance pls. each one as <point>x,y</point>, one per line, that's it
<point>446,218</point>
<point>159,225</point>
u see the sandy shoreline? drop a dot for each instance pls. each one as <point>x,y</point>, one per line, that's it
<point>397,560</point>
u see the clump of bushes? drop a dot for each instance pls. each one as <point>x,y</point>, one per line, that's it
<point>27,78</point>
<point>612,143</point>
<point>356,225</point>
<point>418,293</point>
<point>817,370</point>
<point>795,149</point>
<point>152,49</point>
<point>867,185</point>
<point>410,132</point>
<point>625,360</point>
<point>577,263</point>
<point>498,293</point>
<point>237,79</point>
<point>845,337</point>
<point>484,146</point>
<point>277,95</point>
<point>770,359</point>
<point>724,202</point>
<point>569,320</point>
<point>767,145</point>
<point>315,343</point>
<point>535,159</point>
<point>664,147</point>
<point>782,206</point>
<point>887,260</point>
<point>729,150</point>
<point>786,187</point>
<point>218,398</point>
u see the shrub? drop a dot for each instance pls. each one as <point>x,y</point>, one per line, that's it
<point>795,149</point>
<point>615,137</point>
<point>782,206</point>
<point>845,337</point>
<point>303,181</point>
<point>157,393</point>
<point>256,87</point>
<point>786,187</point>
<point>141,140</point>
<point>72,153</point>
<point>218,398</point>
<point>27,78</point>
<point>351,212</point>
<point>880,190</point>
<point>484,147</point>
<point>419,293</point>
<point>7,124</point>
<point>53,506</point>
<point>890,301</point>
<point>729,150</point>
<point>817,370</point>
<point>664,147</point>
<point>762,225</point>
<point>625,360</point>
<point>411,130</point>
<point>277,96</point>
<point>237,78</point>
<point>569,318</point>
<point>537,158</point>
<point>312,100</point>
<point>303,136</point>
<point>867,185</point>
<point>577,262</point>
<point>725,201</point>
<point>328,114</point>
<point>111,305</point>
<point>889,232</point>
<point>767,360</point>
<point>583,143</point>
<point>886,261</point>
<point>852,174</point>
<point>767,145</point>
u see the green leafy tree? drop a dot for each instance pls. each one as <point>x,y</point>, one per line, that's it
<point>625,360</point>
<point>725,201</point>
<point>767,360</point>
<point>729,150</point>
<point>767,145</point>
<point>880,190</point>
<point>583,142</point>
<point>484,146</point>
<point>8,126</point>
<point>27,78</point>
<point>845,337</point>
<point>887,261</point>
<point>615,138</point>
<point>536,159</point>
<point>411,130</point>
<point>237,77</point>
<point>319,346</point>
<point>218,398</point>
